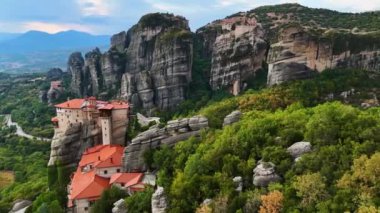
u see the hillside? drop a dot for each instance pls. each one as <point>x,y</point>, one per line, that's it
<point>271,110</point>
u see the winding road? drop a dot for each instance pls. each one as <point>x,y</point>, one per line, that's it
<point>19,131</point>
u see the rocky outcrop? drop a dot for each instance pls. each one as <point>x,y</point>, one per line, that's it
<point>159,61</point>
<point>264,174</point>
<point>300,54</point>
<point>237,48</point>
<point>298,149</point>
<point>174,132</point>
<point>233,117</point>
<point>68,146</point>
<point>119,207</point>
<point>159,201</point>
<point>54,74</point>
<point>150,65</point>
<point>75,66</point>
<point>55,91</point>
<point>20,206</point>
<point>238,181</point>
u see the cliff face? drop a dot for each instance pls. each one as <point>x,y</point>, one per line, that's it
<point>159,61</point>
<point>67,146</point>
<point>298,54</point>
<point>174,132</point>
<point>237,49</point>
<point>150,65</point>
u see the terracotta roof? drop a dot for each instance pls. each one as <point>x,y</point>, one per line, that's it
<point>71,104</point>
<point>129,179</point>
<point>55,119</point>
<point>103,156</point>
<point>87,185</point>
<point>107,107</point>
<point>80,103</point>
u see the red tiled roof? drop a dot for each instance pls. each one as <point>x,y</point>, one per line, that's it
<point>129,179</point>
<point>87,185</point>
<point>71,104</point>
<point>79,103</point>
<point>103,156</point>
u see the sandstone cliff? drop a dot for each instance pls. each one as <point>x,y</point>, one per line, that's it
<point>67,147</point>
<point>150,65</point>
<point>175,131</point>
<point>237,49</point>
<point>299,53</point>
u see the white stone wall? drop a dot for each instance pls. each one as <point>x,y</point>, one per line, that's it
<point>106,125</point>
<point>110,171</point>
<point>81,205</point>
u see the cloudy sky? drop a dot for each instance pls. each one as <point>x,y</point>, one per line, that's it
<point>111,16</point>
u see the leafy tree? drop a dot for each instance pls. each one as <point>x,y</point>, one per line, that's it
<point>272,202</point>
<point>310,188</point>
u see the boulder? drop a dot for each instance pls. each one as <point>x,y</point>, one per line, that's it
<point>20,205</point>
<point>119,207</point>
<point>299,148</point>
<point>264,174</point>
<point>238,181</point>
<point>155,137</point>
<point>159,202</point>
<point>232,118</point>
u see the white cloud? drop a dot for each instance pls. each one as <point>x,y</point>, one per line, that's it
<point>53,27</point>
<point>94,7</point>
<point>245,3</point>
<point>177,8</point>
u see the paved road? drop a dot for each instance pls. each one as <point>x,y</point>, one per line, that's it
<point>19,131</point>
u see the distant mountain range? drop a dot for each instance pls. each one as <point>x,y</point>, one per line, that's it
<point>36,41</point>
<point>36,51</point>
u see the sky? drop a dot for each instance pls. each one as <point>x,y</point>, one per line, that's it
<point>112,16</point>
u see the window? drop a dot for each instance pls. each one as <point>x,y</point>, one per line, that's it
<point>118,170</point>
<point>105,172</point>
<point>86,208</point>
<point>123,184</point>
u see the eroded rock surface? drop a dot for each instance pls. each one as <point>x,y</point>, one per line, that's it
<point>299,54</point>
<point>150,65</point>
<point>264,174</point>
<point>175,131</point>
<point>67,147</point>
<point>233,117</point>
<point>298,149</point>
<point>237,49</point>
<point>159,201</point>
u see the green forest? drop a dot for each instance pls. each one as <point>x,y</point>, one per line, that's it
<point>339,174</point>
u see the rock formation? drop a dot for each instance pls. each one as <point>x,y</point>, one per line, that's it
<point>173,132</point>
<point>238,181</point>
<point>233,117</point>
<point>150,65</point>
<point>298,149</point>
<point>159,61</point>
<point>264,174</point>
<point>20,206</point>
<point>237,50</point>
<point>119,207</point>
<point>54,74</point>
<point>159,202</point>
<point>67,147</point>
<point>299,54</point>
<point>54,92</point>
